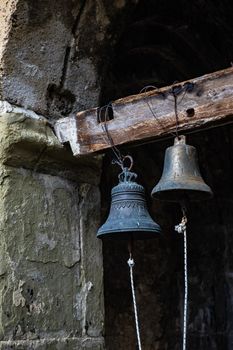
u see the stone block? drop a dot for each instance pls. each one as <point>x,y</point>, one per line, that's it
<point>51,292</point>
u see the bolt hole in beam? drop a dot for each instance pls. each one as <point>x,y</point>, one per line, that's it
<point>190,112</point>
<point>105,114</point>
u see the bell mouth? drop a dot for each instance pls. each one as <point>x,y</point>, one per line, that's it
<point>126,236</point>
<point>129,228</point>
<point>180,195</point>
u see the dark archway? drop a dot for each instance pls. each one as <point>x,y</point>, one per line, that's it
<point>165,41</point>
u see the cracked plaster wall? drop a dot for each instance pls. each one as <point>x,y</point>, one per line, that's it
<point>51,263</point>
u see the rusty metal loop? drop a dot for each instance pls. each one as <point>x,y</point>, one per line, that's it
<point>128,157</point>
<point>146,88</point>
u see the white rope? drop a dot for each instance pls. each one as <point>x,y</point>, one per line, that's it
<point>181,228</point>
<point>131,265</point>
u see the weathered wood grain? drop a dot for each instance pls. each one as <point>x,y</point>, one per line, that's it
<point>209,103</point>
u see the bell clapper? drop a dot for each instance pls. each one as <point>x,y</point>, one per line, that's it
<point>131,265</point>
<point>181,228</point>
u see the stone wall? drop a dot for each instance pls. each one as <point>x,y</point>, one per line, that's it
<point>51,292</point>
<point>51,54</point>
<point>54,55</point>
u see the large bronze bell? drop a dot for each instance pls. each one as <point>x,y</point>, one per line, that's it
<point>128,217</point>
<point>181,179</point>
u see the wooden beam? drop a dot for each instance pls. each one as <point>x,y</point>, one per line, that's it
<point>202,102</point>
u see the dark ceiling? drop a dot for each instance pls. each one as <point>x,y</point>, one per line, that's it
<point>167,41</point>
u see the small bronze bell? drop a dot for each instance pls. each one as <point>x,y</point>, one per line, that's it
<point>181,179</point>
<point>128,217</point>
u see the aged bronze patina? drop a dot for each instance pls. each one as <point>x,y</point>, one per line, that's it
<point>128,218</point>
<point>181,178</point>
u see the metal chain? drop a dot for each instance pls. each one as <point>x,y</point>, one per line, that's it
<point>131,265</point>
<point>181,228</point>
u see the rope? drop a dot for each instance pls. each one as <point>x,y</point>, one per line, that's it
<point>131,265</point>
<point>181,228</point>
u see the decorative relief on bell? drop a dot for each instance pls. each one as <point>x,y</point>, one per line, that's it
<point>128,217</point>
<point>129,204</point>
